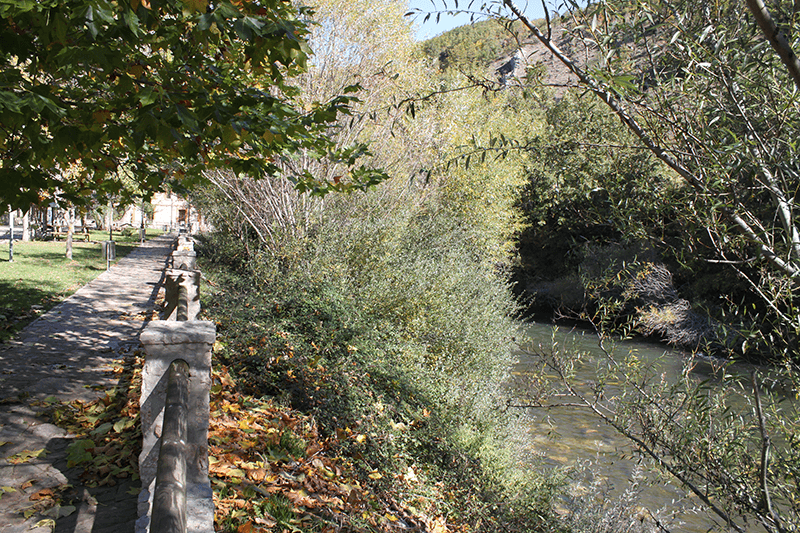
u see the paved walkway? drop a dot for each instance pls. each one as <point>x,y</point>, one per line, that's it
<point>67,353</point>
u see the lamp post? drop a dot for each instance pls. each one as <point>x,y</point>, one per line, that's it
<point>110,220</point>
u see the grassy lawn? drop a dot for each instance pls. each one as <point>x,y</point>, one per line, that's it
<point>41,276</point>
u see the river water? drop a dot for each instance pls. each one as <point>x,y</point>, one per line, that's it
<point>607,468</point>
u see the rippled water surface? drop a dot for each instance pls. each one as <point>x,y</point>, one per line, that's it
<point>575,437</point>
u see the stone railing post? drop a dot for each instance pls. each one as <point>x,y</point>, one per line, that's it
<point>164,342</point>
<point>182,286</point>
<point>178,283</point>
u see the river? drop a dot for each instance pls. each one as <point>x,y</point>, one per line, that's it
<point>575,437</point>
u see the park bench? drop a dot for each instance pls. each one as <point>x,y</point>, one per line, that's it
<point>58,235</point>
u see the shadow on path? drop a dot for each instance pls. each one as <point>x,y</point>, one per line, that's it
<point>68,354</point>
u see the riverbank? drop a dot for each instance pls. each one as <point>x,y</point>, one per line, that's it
<point>400,440</point>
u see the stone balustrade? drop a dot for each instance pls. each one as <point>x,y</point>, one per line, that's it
<point>188,341</point>
<point>182,283</point>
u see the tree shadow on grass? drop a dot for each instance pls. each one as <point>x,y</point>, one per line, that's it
<point>22,302</point>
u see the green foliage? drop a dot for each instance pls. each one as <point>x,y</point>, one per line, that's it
<point>589,184</point>
<point>160,90</point>
<point>715,102</point>
<point>386,314</point>
<point>393,326</point>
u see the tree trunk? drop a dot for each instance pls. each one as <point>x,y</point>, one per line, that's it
<point>70,215</point>
<point>26,225</point>
<point>10,235</point>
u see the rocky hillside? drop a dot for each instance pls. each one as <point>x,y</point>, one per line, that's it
<point>508,52</point>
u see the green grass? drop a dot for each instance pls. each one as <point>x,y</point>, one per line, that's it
<point>41,276</point>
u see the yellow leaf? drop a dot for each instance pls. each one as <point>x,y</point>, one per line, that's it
<point>361,439</point>
<point>375,475</point>
<point>47,522</point>
<point>136,71</point>
<point>25,456</point>
<point>101,117</point>
<point>196,5</point>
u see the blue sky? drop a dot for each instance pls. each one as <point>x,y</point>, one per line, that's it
<point>448,22</point>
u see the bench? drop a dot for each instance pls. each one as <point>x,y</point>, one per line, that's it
<point>57,235</point>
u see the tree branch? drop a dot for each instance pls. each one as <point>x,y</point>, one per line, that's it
<point>776,39</point>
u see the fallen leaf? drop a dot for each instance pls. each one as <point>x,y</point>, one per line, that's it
<point>42,494</point>
<point>267,521</point>
<point>59,512</point>
<point>25,456</point>
<point>122,424</point>
<point>47,522</point>
<point>257,474</point>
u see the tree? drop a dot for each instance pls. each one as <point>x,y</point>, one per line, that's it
<point>354,43</point>
<point>700,88</point>
<point>701,91</point>
<point>164,88</point>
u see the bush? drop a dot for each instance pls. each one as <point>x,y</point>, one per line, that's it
<point>395,327</point>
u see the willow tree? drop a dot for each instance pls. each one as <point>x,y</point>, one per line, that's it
<point>715,95</point>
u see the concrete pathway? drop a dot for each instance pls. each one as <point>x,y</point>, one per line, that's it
<point>67,353</point>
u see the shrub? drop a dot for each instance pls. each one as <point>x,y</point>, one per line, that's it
<point>395,327</point>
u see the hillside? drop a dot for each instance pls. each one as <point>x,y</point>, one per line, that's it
<point>486,46</point>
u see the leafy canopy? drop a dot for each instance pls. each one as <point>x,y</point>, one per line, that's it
<point>159,90</point>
